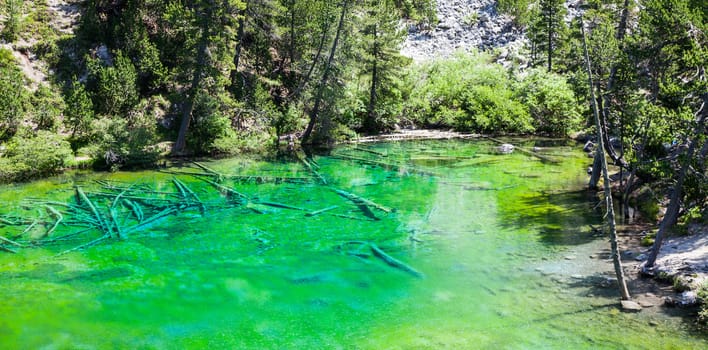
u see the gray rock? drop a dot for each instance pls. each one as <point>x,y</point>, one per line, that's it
<point>589,146</point>
<point>505,148</point>
<point>688,298</point>
<point>628,305</point>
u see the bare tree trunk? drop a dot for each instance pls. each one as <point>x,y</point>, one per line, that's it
<point>239,45</point>
<point>596,170</point>
<point>188,108</point>
<point>323,82</point>
<point>550,36</point>
<point>370,124</point>
<point>675,201</point>
<point>617,262</point>
<point>306,80</point>
<point>292,34</point>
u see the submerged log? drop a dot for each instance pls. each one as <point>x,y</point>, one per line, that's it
<point>320,211</point>
<point>6,249</point>
<point>281,205</point>
<point>354,217</point>
<point>135,209</point>
<point>95,241</point>
<point>362,149</point>
<point>187,192</point>
<point>258,179</point>
<point>57,217</point>
<point>209,170</point>
<point>361,200</point>
<point>393,262</point>
<point>408,169</point>
<point>102,224</point>
<point>383,256</point>
<point>9,241</point>
<point>229,191</point>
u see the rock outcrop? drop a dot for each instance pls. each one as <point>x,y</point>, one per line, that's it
<point>464,25</point>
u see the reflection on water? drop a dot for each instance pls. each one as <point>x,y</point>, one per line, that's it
<point>271,255</point>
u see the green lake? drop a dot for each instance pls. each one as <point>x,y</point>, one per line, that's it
<point>424,245</point>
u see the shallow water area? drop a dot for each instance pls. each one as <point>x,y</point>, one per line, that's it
<point>398,245</point>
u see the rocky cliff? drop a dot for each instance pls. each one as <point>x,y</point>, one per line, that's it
<point>463,25</point>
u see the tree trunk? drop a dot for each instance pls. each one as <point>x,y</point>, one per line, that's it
<point>596,170</point>
<point>606,100</point>
<point>550,35</point>
<point>675,201</point>
<point>188,107</point>
<point>306,80</point>
<point>239,45</point>
<point>617,262</point>
<point>323,82</point>
<point>292,34</point>
<point>370,124</point>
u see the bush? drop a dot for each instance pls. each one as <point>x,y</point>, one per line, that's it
<point>703,297</point>
<point>469,93</point>
<point>551,102</point>
<point>79,112</point>
<point>46,108</point>
<point>13,96</point>
<point>114,88</point>
<point>121,142</point>
<point>30,156</point>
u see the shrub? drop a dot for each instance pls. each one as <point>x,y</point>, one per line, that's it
<point>79,111</point>
<point>551,102</point>
<point>114,87</point>
<point>30,156</point>
<point>13,96</point>
<point>469,93</point>
<point>121,142</point>
<point>46,107</point>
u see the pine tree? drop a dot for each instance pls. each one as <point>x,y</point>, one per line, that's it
<point>547,30</point>
<point>380,41</point>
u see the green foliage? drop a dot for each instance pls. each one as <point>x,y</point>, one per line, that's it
<point>702,294</point>
<point>471,19</point>
<point>493,109</point>
<point>547,31</point>
<point>551,102</point>
<point>13,96</point>
<point>125,142</point>
<point>29,155</point>
<point>519,9</point>
<point>79,111</point>
<point>648,239</point>
<point>468,93</point>
<point>114,87</point>
<point>46,108</point>
<point>208,123</point>
<point>418,10</point>
<point>12,26</point>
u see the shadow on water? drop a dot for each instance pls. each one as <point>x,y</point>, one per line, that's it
<point>561,218</point>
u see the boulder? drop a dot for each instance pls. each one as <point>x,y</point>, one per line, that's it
<point>505,148</point>
<point>630,306</point>
<point>589,146</point>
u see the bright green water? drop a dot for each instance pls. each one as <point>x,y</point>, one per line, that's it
<point>503,242</point>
